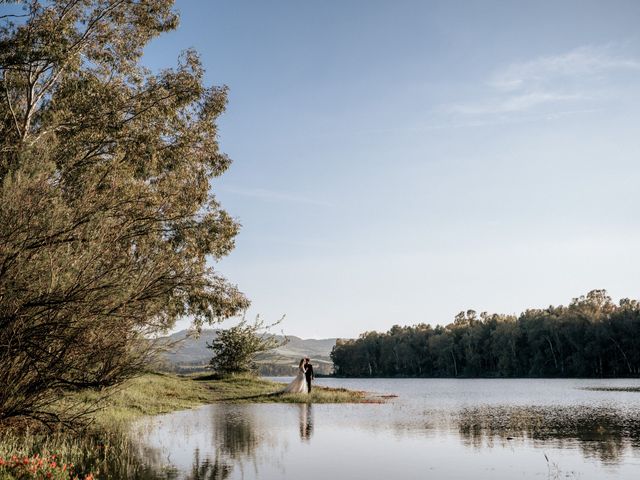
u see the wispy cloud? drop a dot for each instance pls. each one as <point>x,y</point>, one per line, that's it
<point>300,242</point>
<point>274,196</point>
<point>513,103</point>
<point>553,80</point>
<point>586,60</point>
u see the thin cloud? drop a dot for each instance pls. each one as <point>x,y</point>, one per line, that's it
<point>273,196</point>
<point>574,76</point>
<point>513,103</point>
<point>303,242</point>
<point>586,60</point>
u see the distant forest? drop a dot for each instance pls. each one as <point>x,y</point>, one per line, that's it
<point>592,337</point>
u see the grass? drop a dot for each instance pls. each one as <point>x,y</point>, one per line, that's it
<point>157,393</point>
<point>104,453</point>
<point>249,389</point>
<point>104,448</point>
<point>150,394</point>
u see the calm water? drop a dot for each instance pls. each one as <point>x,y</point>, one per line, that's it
<point>435,428</point>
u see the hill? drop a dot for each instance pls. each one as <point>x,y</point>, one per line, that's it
<point>189,353</point>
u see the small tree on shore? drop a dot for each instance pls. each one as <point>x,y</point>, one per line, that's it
<point>235,349</point>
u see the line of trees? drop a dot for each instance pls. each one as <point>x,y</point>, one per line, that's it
<point>592,337</point>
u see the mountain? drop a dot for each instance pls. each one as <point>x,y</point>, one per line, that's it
<point>188,353</point>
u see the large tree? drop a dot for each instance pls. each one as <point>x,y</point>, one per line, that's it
<point>107,218</point>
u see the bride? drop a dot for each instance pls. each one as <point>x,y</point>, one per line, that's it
<point>299,384</point>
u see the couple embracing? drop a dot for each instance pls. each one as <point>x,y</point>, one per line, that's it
<point>302,382</point>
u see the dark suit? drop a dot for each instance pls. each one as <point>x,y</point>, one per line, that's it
<point>309,375</point>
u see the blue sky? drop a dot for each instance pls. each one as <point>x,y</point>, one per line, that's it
<point>396,162</point>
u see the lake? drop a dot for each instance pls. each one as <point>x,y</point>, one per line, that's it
<point>435,428</point>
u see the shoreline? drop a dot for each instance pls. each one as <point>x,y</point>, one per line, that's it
<point>158,393</point>
<point>104,443</point>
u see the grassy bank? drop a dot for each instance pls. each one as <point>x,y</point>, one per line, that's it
<point>104,449</point>
<point>157,393</point>
<point>150,394</point>
<point>247,389</point>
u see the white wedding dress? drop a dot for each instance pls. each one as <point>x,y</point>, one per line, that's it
<point>299,384</point>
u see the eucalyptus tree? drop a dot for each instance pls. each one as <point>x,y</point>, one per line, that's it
<point>107,218</point>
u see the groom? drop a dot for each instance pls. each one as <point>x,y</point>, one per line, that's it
<point>308,372</point>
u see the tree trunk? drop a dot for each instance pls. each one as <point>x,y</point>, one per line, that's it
<point>455,365</point>
<point>555,361</point>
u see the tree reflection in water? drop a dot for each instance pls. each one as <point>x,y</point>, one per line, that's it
<point>250,441</point>
<point>603,433</point>
<point>235,438</point>
<point>209,470</point>
<point>235,431</point>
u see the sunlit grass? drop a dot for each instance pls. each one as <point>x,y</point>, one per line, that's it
<point>250,389</point>
<point>156,393</point>
<point>150,394</point>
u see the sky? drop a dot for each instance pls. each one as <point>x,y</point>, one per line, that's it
<point>396,162</point>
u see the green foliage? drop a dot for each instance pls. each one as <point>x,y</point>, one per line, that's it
<point>592,337</point>
<point>235,349</point>
<point>106,213</point>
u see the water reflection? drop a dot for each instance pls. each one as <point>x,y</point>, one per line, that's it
<point>206,469</point>
<point>405,438</point>
<point>306,421</point>
<point>235,431</point>
<point>603,433</point>
<point>207,443</point>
